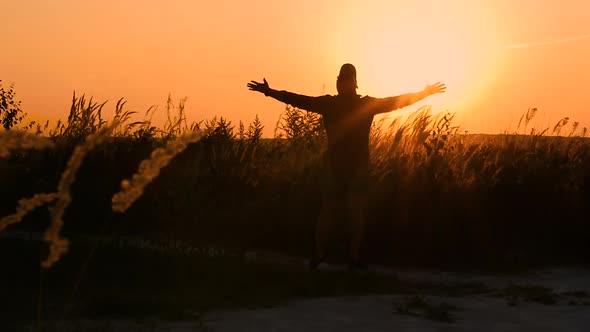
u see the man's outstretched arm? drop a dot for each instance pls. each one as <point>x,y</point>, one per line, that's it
<point>389,104</point>
<point>312,104</point>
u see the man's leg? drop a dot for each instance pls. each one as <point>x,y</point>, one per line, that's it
<point>356,221</point>
<point>324,228</point>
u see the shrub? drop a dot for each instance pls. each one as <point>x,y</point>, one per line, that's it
<point>10,111</point>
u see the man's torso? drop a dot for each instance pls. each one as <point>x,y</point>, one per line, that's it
<point>348,123</point>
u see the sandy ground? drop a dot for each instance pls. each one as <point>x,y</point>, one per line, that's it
<point>381,312</point>
<point>375,313</point>
<point>474,313</point>
<point>378,313</point>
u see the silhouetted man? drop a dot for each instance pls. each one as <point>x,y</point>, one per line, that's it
<point>347,119</point>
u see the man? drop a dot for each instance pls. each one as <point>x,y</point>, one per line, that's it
<point>347,119</point>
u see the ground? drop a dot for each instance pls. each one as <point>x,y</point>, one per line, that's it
<point>556,299</point>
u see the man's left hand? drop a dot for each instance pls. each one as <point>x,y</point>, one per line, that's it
<point>437,87</point>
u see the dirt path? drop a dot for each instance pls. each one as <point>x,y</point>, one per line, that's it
<point>544,300</point>
<point>555,299</point>
<point>373,313</point>
<point>563,306</point>
<point>380,313</point>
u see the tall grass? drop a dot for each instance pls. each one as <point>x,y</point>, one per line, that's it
<point>436,195</point>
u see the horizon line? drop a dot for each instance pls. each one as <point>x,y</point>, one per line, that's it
<point>548,42</point>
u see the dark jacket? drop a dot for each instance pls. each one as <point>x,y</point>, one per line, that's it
<point>347,120</point>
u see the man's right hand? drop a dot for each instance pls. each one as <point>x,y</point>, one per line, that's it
<point>260,87</point>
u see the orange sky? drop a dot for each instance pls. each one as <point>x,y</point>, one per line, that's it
<point>497,57</point>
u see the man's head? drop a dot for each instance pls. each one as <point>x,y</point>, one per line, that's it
<point>346,83</point>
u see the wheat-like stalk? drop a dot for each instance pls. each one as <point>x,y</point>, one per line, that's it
<point>57,245</point>
<point>25,206</point>
<point>132,189</point>
<point>11,140</point>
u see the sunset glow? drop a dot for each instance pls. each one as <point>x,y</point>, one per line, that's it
<point>497,57</point>
<point>271,165</point>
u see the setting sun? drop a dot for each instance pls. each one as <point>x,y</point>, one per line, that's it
<point>403,51</point>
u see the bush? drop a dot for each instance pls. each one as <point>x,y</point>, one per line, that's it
<point>10,111</point>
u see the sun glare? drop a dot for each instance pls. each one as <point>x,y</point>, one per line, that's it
<point>446,45</point>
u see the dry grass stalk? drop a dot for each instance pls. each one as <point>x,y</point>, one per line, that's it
<point>11,140</point>
<point>132,189</point>
<point>25,206</point>
<point>57,245</point>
